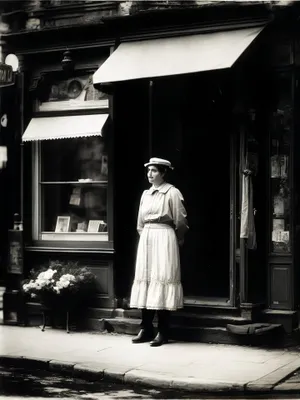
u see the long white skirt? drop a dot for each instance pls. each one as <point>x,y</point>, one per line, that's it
<point>157,281</point>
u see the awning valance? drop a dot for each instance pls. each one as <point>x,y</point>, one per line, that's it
<point>175,55</point>
<point>74,126</point>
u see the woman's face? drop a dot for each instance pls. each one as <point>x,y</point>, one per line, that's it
<point>154,176</point>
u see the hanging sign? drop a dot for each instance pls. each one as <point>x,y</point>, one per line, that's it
<point>7,76</point>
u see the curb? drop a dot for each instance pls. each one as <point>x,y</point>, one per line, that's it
<point>130,376</point>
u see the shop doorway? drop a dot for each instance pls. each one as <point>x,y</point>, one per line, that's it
<point>206,183</point>
<point>205,258</point>
<point>192,126</point>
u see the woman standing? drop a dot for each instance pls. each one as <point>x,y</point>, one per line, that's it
<point>162,225</point>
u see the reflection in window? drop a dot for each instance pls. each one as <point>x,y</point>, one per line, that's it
<point>72,160</point>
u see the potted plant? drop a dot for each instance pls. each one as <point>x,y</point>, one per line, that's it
<point>73,285</point>
<point>61,287</point>
<point>40,286</point>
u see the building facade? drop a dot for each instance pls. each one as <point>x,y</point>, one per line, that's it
<point>214,88</point>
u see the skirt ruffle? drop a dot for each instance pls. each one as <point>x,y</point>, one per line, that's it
<point>156,295</point>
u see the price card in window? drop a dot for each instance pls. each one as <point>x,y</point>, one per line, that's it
<point>75,197</point>
<point>96,226</point>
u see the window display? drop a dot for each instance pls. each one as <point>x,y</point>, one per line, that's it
<point>62,224</point>
<point>281,129</point>
<point>73,189</point>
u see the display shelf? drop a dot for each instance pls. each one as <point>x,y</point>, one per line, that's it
<point>75,236</point>
<point>105,182</point>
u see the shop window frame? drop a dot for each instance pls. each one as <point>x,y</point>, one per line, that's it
<point>97,241</point>
<point>37,233</point>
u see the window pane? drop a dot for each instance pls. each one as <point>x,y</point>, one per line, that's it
<point>68,160</point>
<point>82,203</point>
<point>73,94</point>
<point>280,141</point>
<point>73,185</point>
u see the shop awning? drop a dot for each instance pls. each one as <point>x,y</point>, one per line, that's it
<point>47,128</point>
<point>176,55</point>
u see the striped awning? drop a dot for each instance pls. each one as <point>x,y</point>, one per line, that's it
<point>74,126</point>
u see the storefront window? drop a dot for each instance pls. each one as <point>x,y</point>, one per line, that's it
<point>72,190</point>
<point>72,94</point>
<point>280,143</point>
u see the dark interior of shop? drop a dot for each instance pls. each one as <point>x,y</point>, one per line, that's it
<point>191,113</point>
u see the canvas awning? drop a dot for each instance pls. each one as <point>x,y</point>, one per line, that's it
<point>175,55</point>
<point>47,128</point>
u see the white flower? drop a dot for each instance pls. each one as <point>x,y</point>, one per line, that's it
<point>28,286</point>
<point>44,278</point>
<point>67,277</point>
<point>64,281</point>
<point>49,273</point>
<point>41,275</point>
<point>46,275</point>
<point>56,289</point>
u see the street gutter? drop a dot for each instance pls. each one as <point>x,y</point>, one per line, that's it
<point>273,383</point>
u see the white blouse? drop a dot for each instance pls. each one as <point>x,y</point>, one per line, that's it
<point>163,204</point>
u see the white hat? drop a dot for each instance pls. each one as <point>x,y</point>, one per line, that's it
<point>159,161</point>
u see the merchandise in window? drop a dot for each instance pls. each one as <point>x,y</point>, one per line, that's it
<point>280,146</point>
<point>73,189</point>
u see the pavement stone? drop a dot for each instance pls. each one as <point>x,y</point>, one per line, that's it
<point>273,378</point>
<point>88,371</point>
<point>58,366</point>
<point>148,378</point>
<point>288,387</point>
<point>194,367</point>
<point>192,384</point>
<point>116,373</point>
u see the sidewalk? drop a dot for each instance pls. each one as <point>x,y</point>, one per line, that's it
<point>177,365</point>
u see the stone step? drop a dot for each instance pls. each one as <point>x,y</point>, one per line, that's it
<point>204,334</point>
<point>207,320</point>
<point>178,317</point>
<point>184,329</point>
<point>288,319</point>
<point>131,326</point>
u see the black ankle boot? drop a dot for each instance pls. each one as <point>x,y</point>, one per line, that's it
<point>159,340</point>
<point>143,336</point>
